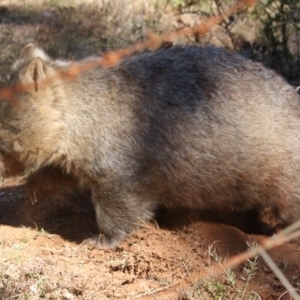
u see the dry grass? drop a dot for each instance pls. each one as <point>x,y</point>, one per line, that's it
<point>73,30</point>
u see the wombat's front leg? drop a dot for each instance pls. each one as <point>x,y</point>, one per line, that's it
<point>118,213</point>
<point>10,166</point>
<point>48,180</point>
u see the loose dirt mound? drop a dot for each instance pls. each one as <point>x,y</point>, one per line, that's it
<point>171,258</point>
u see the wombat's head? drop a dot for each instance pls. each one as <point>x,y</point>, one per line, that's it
<point>29,115</point>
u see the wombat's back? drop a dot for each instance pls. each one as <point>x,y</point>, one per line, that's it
<point>213,129</point>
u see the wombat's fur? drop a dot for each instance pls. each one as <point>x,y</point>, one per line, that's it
<point>185,126</point>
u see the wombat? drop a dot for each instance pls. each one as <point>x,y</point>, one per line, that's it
<point>194,127</point>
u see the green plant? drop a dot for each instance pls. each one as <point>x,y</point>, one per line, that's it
<point>280,34</point>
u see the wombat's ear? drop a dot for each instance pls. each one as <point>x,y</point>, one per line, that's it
<point>32,51</point>
<point>27,50</point>
<point>34,74</point>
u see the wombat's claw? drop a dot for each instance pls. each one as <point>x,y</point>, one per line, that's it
<point>33,197</point>
<point>100,242</point>
<point>2,170</point>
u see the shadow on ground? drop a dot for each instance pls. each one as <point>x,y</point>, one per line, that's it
<point>72,216</point>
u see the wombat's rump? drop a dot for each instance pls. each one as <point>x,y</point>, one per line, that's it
<point>185,126</point>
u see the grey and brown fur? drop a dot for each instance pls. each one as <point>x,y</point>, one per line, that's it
<point>184,127</point>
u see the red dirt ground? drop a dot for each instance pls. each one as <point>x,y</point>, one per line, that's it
<point>170,258</point>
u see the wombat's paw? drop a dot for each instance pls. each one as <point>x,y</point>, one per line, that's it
<point>100,242</point>
<point>35,193</point>
<point>32,190</point>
